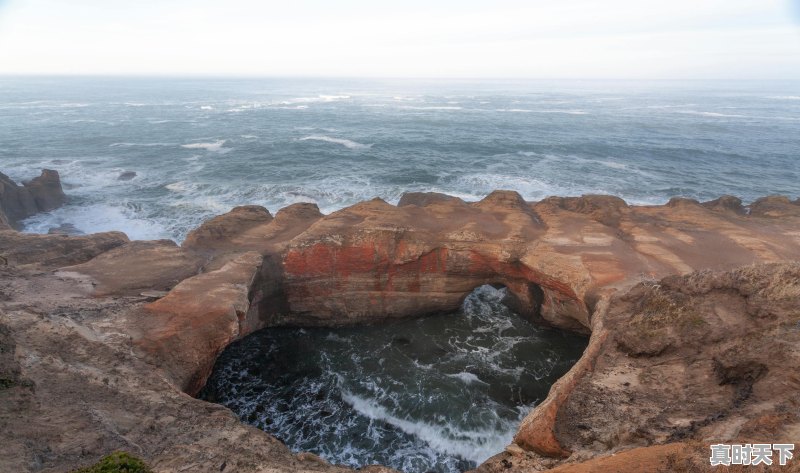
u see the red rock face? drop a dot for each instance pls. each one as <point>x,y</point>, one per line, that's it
<point>385,278</point>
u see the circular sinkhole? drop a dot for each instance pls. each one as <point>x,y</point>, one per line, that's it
<point>440,393</point>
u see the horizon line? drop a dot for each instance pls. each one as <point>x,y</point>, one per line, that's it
<point>210,75</point>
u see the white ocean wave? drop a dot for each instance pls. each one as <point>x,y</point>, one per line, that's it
<point>711,114</point>
<point>785,97</point>
<point>127,145</point>
<point>613,164</point>
<point>41,104</point>
<point>182,187</point>
<point>525,110</point>
<point>339,141</point>
<point>473,445</point>
<point>432,107</point>
<point>467,377</point>
<point>98,218</point>
<point>656,107</point>
<point>317,99</point>
<point>212,146</point>
<point>568,112</point>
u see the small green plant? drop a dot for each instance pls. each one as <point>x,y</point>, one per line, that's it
<point>117,462</point>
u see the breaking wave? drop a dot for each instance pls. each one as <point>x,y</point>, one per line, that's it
<point>339,141</point>
<point>213,146</point>
<point>712,114</point>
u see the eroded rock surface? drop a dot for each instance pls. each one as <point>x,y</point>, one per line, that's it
<point>109,336</point>
<point>41,194</point>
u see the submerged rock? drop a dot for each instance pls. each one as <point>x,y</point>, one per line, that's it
<point>65,229</point>
<point>126,176</point>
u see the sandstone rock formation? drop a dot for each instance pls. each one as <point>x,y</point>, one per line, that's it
<point>54,251</point>
<point>41,194</point>
<point>686,322</point>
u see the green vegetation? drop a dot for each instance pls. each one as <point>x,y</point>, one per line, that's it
<point>117,462</point>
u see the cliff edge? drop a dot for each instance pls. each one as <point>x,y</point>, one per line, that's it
<point>688,307</point>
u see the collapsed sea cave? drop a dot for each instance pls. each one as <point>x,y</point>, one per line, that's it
<point>442,393</point>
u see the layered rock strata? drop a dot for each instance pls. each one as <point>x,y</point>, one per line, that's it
<point>111,337</point>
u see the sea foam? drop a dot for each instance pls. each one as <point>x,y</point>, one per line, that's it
<point>473,445</point>
<point>711,114</point>
<point>213,146</point>
<point>339,141</point>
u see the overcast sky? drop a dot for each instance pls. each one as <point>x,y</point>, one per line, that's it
<point>410,38</point>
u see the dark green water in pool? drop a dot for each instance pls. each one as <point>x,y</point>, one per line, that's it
<point>440,393</point>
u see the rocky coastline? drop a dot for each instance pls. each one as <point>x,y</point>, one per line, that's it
<point>691,309</point>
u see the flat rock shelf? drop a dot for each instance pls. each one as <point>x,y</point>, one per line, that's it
<point>439,393</point>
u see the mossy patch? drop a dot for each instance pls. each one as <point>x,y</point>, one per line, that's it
<point>117,462</point>
<point>6,383</point>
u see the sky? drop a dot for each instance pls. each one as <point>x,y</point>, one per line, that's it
<point>628,39</point>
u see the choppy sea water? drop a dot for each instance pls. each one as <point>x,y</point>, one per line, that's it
<point>201,146</point>
<point>442,393</point>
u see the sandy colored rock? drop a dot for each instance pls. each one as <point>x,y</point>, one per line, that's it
<point>726,203</point>
<point>250,228</point>
<point>52,251</point>
<point>186,329</point>
<point>46,190</point>
<point>129,269</point>
<point>685,328</point>
<point>687,357</point>
<point>775,206</point>
<point>216,232</point>
<point>423,199</point>
<point>82,390</point>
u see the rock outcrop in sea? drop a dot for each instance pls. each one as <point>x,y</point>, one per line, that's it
<point>691,309</point>
<point>40,194</point>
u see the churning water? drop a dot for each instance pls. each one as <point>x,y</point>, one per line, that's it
<point>199,147</point>
<point>441,393</point>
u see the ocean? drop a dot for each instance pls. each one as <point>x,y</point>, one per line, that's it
<point>202,146</point>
